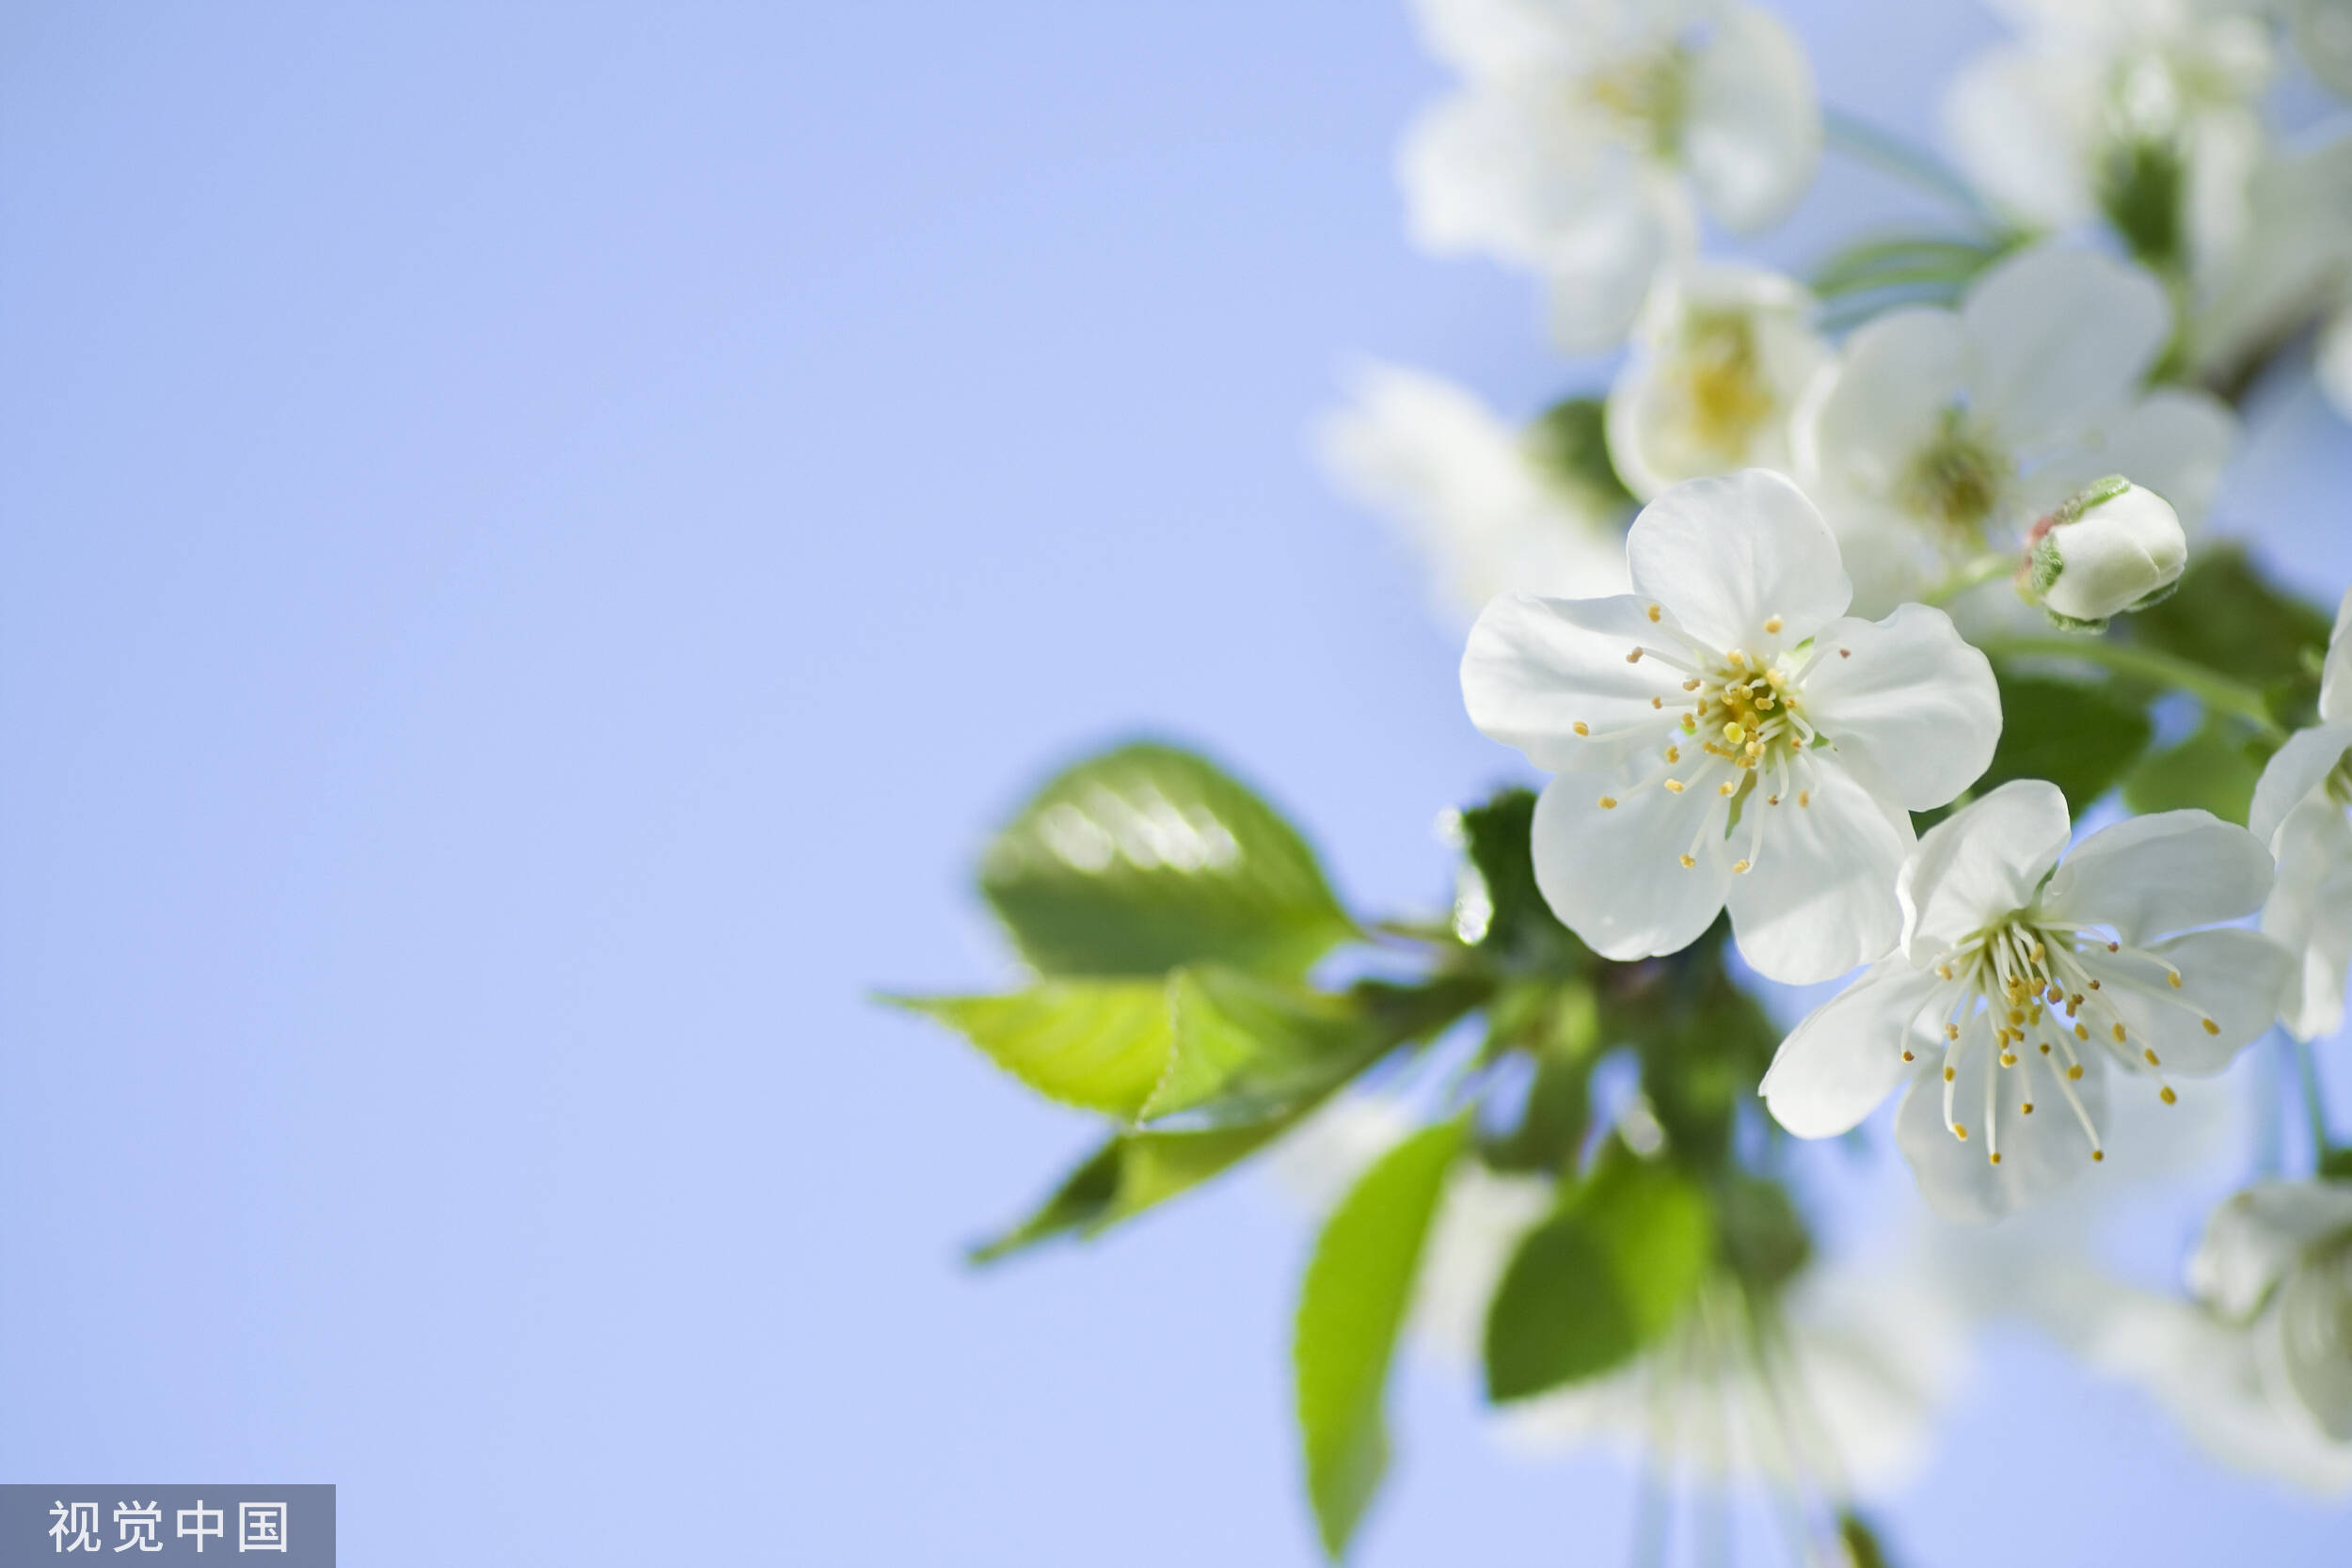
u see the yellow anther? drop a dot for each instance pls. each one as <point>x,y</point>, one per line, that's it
<point>1691,685</point>
<point>2039,951</point>
<point>1949,1075</point>
<point>1958,1132</point>
<point>1773,627</point>
<point>2095,985</point>
<point>1654,613</point>
<point>2026,1109</point>
<point>2152,1057</point>
<point>2045,1048</point>
<point>1996,1156</point>
<point>2115,947</point>
<point>2175,978</point>
<point>1906,1056</point>
<point>1804,797</point>
<point>1657,701</point>
<point>1951,1030</point>
<point>1674,753</point>
<point>1673,786</point>
<point>2212,1028</point>
<point>2009,1058</point>
<point>1579,727</point>
<point>1609,802</point>
<point>2167,1095</point>
<point>2082,1032</point>
<point>2119,1034</point>
<point>1634,657</point>
<point>1771,800</point>
<point>1726,787</point>
<point>2098,1154</point>
<point>1737,658</point>
<point>1690,725</point>
<point>1944,972</point>
<point>1734,734</point>
<point>2076,1072</point>
<point>1738,866</point>
<point>2016,1016</point>
<point>1688,863</point>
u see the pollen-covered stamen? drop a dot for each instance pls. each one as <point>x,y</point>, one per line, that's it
<point>2009,980</point>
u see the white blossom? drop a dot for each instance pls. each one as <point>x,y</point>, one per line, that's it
<point>2294,266</point>
<point>1467,492</point>
<point>2277,1258</point>
<point>1589,132</point>
<point>1944,434</point>
<point>2299,813</point>
<point>1721,357</point>
<point>2113,548</point>
<point>1724,735</point>
<point>2023,985</point>
<point>2147,109</point>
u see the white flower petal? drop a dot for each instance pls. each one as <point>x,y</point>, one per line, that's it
<point>2233,976</point>
<point>1847,1056</point>
<point>1820,897</point>
<point>2335,677</point>
<point>1866,422</point>
<point>2295,770</point>
<point>2253,1239</point>
<point>2175,441</point>
<point>1613,876</point>
<point>1535,669</point>
<point>2039,1153</point>
<point>2062,339</point>
<point>2309,1340</point>
<point>1909,695</point>
<point>2014,118</point>
<point>2310,913</point>
<point>2149,876</point>
<point>1598,268</point>
<point>1726,555</point>
<point>1754,136</point>
<point>1979,863</point>
<point>1458,483</point>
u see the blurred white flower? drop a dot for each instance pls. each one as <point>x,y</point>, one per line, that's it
<point>2147,110</point>
<point>1941,436</point>
<point>1722,355</point>
<point>2009,993</point>
<point>1837,1377</point>
<point>2298,811</point>
<point>2294,266</point>
<point>1469,493</point>
<point>1586,126</point>
<point>2277,1258</point>
<point>2112,548</point>
<point>1722,736</point>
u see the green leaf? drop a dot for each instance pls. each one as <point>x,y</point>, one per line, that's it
<point>2080,738</point>
<point>1129,1174</point>
<point>1101,1045</point>
<point>2211,770</point>
<point>1863,1548</point>
<point>1213,1041</point>
<point>1146,858</point>
<point>1359,1286</point>
<point>2228,616</point>
<point>1522,929</point>
<point>1606,1275</point>
<point>1569,442</point>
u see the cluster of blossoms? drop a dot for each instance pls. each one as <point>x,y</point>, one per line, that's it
<point>1834,616</point>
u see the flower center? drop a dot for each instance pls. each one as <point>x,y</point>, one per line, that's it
<point>1956,481</point>
<point>1722,379</point>
<point>1646,97</point>
<point>1743,735</point>
<point>2041,995</point>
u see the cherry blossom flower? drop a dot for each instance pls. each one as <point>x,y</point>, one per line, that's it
<point>2022,986</point>
<point>2111,548</point>
<point>1586,127</point>
<point>1724,735</point>
<point>1465,489</point>
<point>1723,355</point>
<point>2298,811</point>
<point>2277,1258</point>
<point>1943,435</point>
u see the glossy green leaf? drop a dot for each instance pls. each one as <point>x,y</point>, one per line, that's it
<point>2211,770</point>
<point>1606,1275</point>
<point>1129,1174</point>
<point>1101,1045</point>
<point>2079,736</point>
<point>1247,1049</point>
<point>2226,615</point>
<point>1359,1287</point>
<point>1147,857</point>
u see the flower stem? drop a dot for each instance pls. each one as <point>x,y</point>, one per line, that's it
<point>2217,693</point>
<point>1984,569</point>
<point>1866,143</point>
<point>2313,1106</point>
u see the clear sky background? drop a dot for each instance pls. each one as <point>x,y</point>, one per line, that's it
<point>534,542</point>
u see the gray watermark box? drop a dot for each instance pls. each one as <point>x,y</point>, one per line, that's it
<point>286,1526</point>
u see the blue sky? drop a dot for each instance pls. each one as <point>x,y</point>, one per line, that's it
<point>537,541</point>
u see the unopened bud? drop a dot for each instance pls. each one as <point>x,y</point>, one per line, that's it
<point>2111,548</point>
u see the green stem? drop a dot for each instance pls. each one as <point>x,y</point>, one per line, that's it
<point>1866,143</point>
<point>1984,569</point>
<point>2313,1106</point>
<point>2218,693</point>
